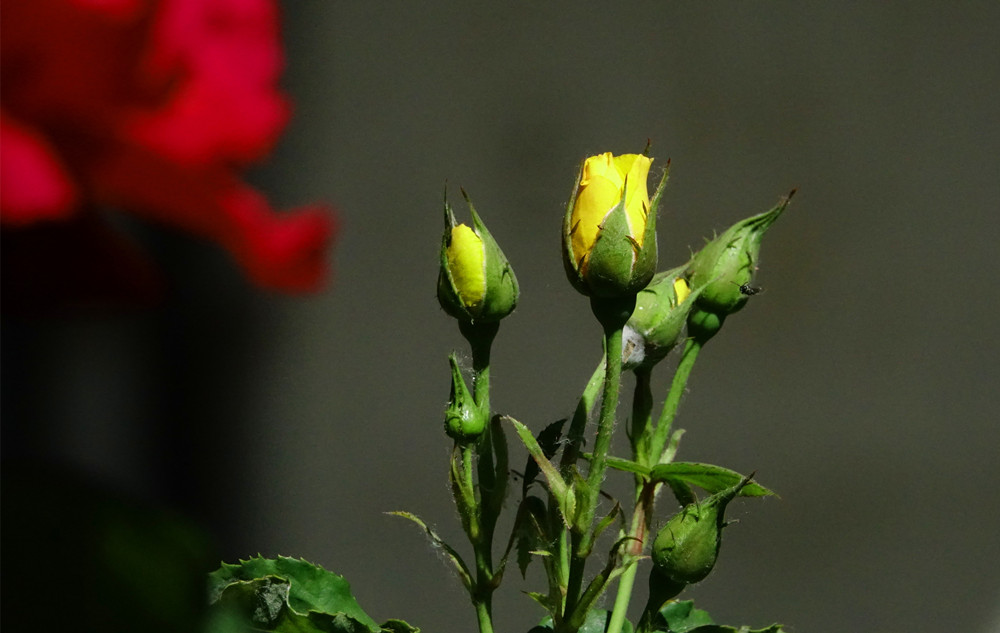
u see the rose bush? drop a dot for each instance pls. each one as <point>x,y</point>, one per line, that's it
<point>152,108</point>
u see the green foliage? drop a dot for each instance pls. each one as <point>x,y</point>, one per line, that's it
<point>289,595</point>
<point>708,477</point>
<point>596,622</point>
<point>682,617</point>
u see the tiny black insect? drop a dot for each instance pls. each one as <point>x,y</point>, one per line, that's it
<point>749,290</point>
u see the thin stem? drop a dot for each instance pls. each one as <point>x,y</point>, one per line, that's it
<point>663,426</point>
<point>641,431</point>
<point>605,426</point>
<point>582,534</point>
<point>640,528</point>
<point>482,519</point>
<point>623,597</point>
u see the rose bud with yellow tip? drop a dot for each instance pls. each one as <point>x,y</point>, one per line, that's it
<point>721,272</point>
<point>609,232</point>
<point>655,327</point>
<point>476,283</point>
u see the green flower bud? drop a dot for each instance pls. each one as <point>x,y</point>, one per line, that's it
<point>609,231</point>
<point>463,420</point>
<point>686,548</point>
<point>476,282</point>
<point>723,269</point>
<point>656,325</point>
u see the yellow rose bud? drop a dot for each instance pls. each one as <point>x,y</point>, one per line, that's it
<point>656,324</point>
<point>609,233</point>
<point>476,283</point>
<point>467,261</point>
<point>602,184</point>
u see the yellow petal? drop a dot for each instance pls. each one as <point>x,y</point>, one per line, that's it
<point>635,171</point>
<point>681,290</point>
<point>593,203</point>
<point>467,263</point>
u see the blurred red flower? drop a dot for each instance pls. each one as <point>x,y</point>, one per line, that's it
<point>151,107</point>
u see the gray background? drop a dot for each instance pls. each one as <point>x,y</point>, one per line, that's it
<point>860,385</point>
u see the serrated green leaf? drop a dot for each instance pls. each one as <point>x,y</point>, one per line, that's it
<point>719,628</point>
<point>681,616</point>
<point>398,626</point>
<point>289,595</point>
<point>709,477</point>
<point>624,465</point>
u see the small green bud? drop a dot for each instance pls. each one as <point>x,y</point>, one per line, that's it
<point>463,420</point>
<point>723,269</point>
<point>476,282</point>
<point>656,325</point>
<point>686,548</point>
<point>609,230</point>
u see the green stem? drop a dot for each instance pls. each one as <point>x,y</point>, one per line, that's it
<point>641,432</point>
<point>484,617</point>
<point>666,421</point>
<point>570,568</point>
<point>605,426</point>
<point>582,533</point>
<point>623,597</point>
<point>482,519</point>
<point>641,518</point>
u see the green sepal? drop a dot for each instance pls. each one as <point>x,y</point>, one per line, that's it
<point>448,295</point>
<point>725,264</point>
<point>572,261</point>
<point>288,595</point>
<point>502,290</point>
<point>617,266</point>
<point>464,421</point>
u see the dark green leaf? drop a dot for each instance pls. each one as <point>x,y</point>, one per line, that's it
<point>706,476</point>
<point>288,595</point>
<point>548,440</point>
<point>596,622</point>
<point>529,531</point>
<point>682,617</point>
<point>398,626</point>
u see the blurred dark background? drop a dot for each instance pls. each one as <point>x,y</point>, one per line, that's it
<point>860,385</point>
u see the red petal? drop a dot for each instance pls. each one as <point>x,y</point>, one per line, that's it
<point>33,184</point>
<point>279,251</point>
